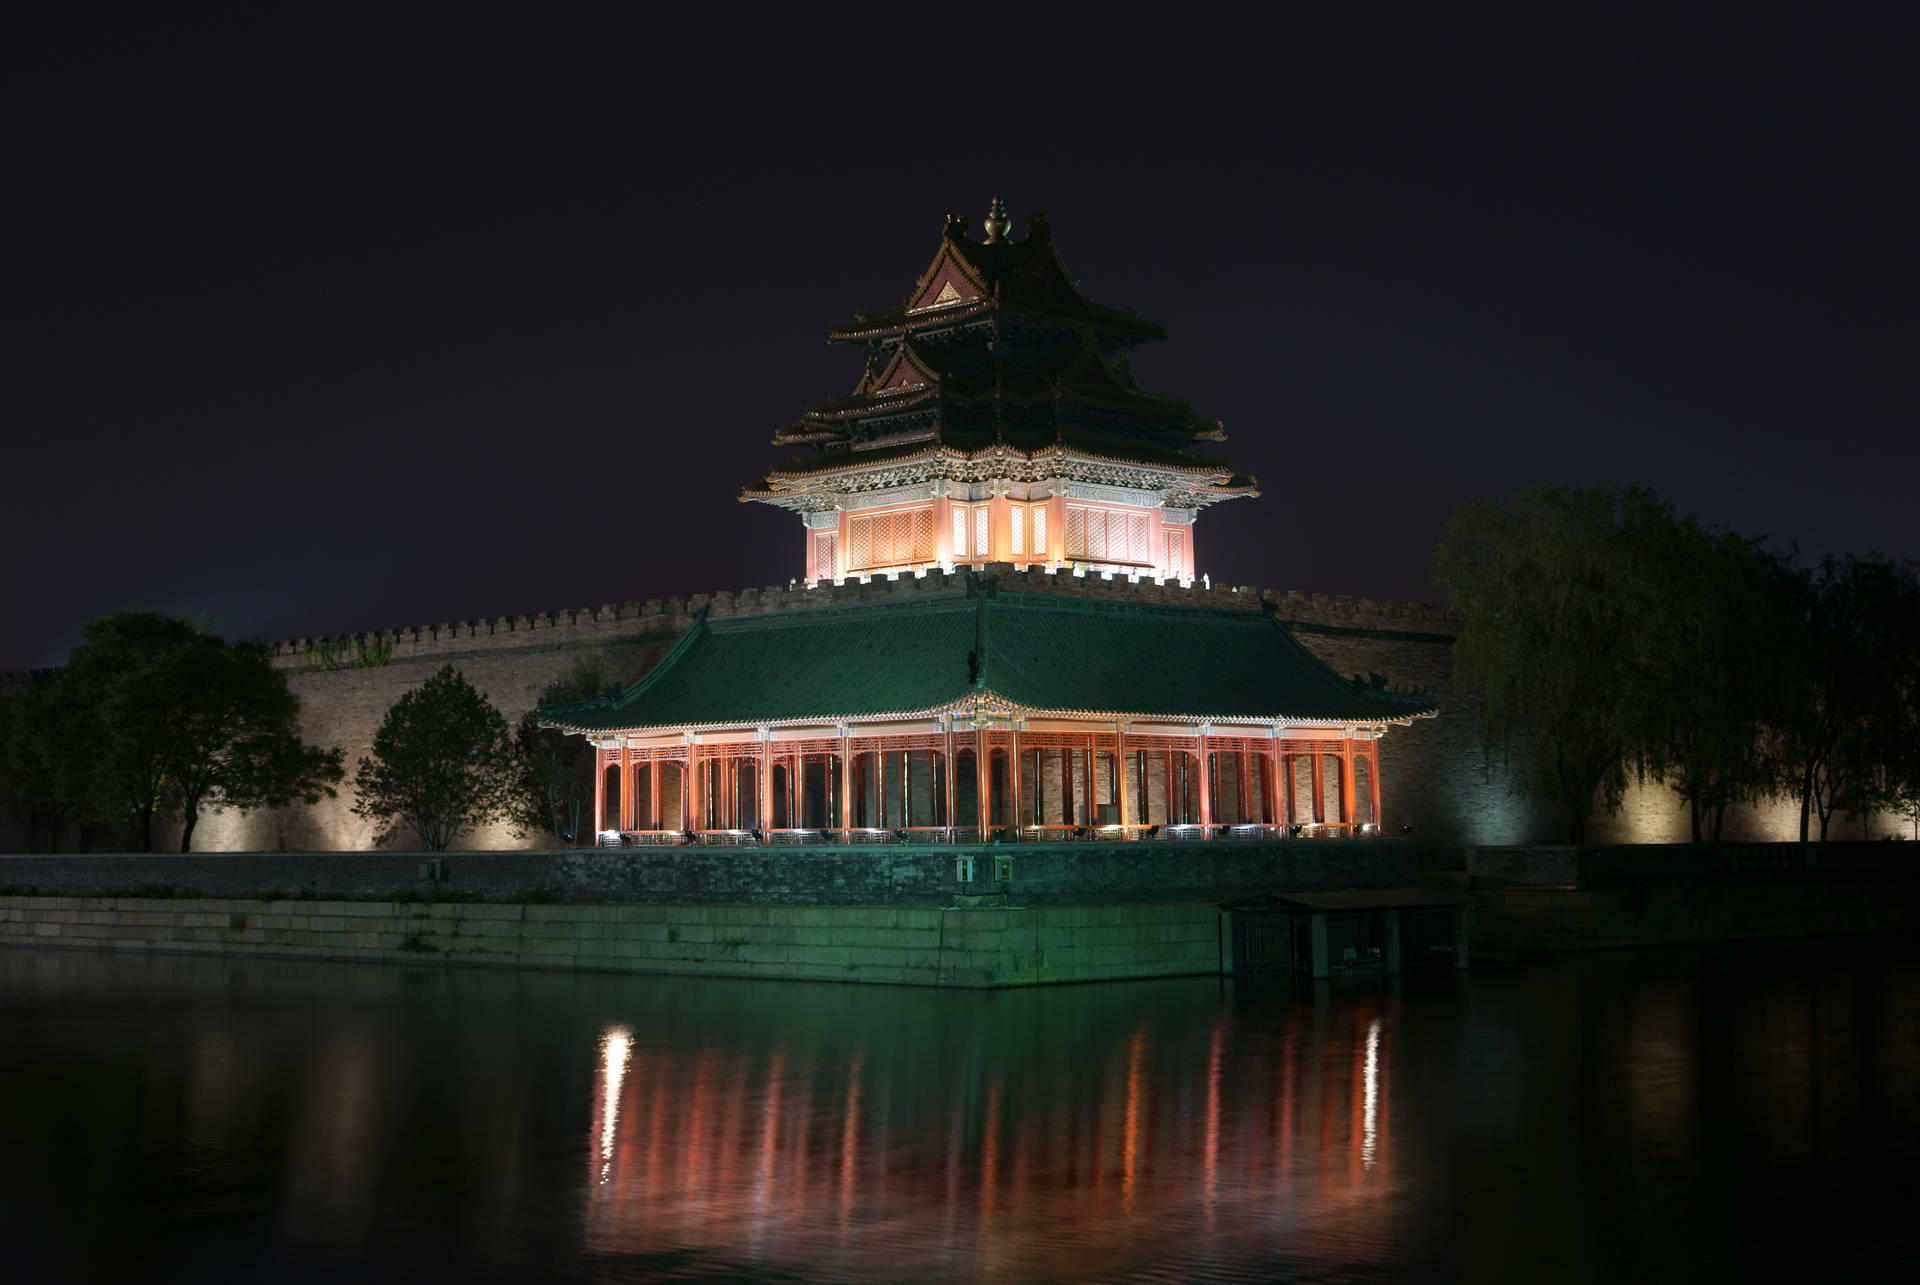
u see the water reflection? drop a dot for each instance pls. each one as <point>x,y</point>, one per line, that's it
<point>1613,1117</point>
<point>891,1163</point>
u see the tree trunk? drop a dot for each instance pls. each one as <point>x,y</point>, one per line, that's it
<point>1693,808</point>
<point>1719,820</point>
<point>146,829</point>
<point>186,829</point>
<point>1806,800</point>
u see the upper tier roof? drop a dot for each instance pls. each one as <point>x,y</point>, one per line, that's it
<point>997,350</point>
<point>1041,654</point>
<point>918,376</point>
<point>967,278</point>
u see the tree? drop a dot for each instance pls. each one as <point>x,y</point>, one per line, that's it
<point>1845,723</point>
<point>1552,599</point>
<point>442,763</point>
<point>47,750</point>
<point>188,724</point>
<point>556,769</point>
<point>1713,646</point>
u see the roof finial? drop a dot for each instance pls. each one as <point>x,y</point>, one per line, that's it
<point>997,223</point>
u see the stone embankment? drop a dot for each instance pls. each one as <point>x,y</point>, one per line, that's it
<point>964,946</point>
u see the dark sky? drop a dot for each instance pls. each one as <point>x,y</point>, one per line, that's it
<point>315,326</point>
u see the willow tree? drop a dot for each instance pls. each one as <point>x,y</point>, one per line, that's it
<point>1553,599</point>
<point>1846,736</point>
<point>1713,648</point>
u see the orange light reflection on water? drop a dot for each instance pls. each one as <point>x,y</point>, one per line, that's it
<point>766,1159</point>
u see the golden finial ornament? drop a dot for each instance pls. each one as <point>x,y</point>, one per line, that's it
<point>997,223</point>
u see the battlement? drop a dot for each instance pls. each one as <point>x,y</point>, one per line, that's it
<point>613,621</point>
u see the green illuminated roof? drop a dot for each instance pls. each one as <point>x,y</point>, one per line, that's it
<point>1038,652</point>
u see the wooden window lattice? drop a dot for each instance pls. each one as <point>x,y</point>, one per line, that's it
<point>891,539</point>
<point>1103,535</point>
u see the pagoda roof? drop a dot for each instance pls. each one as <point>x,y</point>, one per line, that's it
<point>968,278</point>
<point>916,375</point>
<point>1038,653</point>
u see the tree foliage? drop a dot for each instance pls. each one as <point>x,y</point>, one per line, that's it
<point>1714,653</point>
<point>1844,737</point>
<point>48,736</point>
<point>557,786</point>
<point>1610,638</point>
<point>442,763</point>
<point>158,717</point>
<point>1551,608</point>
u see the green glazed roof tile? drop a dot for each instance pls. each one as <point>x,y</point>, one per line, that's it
<point>1038,652</point>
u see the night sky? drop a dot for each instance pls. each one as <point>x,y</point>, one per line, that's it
<point>317,327</point>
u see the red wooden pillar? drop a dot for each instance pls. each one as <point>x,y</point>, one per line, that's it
<point>946,775</point>
<point>1270,785</point>
<point>766,783</point>
<point>1086,761</point>
<point>1013,776</point>
<point>1319,790</point>
<point>1373,786</point>
<point>1206,793</point>
<point>1120,778</point>
<point>983,781</point>
<point>654,820</point>
<point>1347,810</point>
<point>846,785</point>
<point>1143,801</point>
<point>599,793</point>
<point>696,789</point>
<point>1243,786</point>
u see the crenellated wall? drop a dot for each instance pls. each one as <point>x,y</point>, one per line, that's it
<point>1434,774</point>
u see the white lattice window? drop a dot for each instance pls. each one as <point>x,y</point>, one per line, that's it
<point>891,539</point>
<point>1176,553</point>
<point>1019,532</point>
<point>1106,535</point>
<point>1039,532</point>
<point>980,531</point>
<point>959,532</point>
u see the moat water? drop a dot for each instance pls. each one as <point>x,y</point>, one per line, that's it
<point>1734,1111</point>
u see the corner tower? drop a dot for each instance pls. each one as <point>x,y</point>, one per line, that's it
<point>997,421</point>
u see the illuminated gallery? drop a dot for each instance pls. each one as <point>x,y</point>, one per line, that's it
<point>998,453</point>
